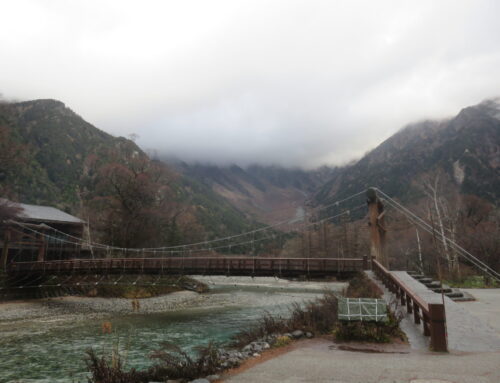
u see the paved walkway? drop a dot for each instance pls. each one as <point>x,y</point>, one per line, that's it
<point>486,306</point>
<point>413,332</point>
<point>316,362</point>
<point>466,332</point>
<point>474,343</point>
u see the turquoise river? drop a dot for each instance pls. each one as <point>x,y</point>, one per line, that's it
<point>48,344</point>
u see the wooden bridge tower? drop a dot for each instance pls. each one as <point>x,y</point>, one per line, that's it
<point>376,223</point>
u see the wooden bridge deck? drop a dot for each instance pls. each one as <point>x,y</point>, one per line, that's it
<point>193,265</point>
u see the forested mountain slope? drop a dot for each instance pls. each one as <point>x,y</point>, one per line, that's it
<point>59,155</point>
<point>57,143</point>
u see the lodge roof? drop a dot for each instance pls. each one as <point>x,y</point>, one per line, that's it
<point>45,214</point>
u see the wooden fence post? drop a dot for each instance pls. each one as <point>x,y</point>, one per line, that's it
<point>416,313</point>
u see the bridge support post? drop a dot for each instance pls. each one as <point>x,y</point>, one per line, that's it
<point>366,266</point>
<point>5,250</point>
<point>41,250</point>
<point>377,227</point>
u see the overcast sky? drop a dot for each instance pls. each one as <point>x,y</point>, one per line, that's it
<point>298,83</point>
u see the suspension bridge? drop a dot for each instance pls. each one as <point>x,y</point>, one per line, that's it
<point>38,256</point>
<point>35,250</point>
<point>30,249</point>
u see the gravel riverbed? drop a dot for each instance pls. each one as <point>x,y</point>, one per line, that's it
<point>70,308</point>
<point>75,305</point>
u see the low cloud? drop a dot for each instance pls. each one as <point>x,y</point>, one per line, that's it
<point>285,82</point>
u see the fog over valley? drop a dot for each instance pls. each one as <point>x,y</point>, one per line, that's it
<point>290,83</point>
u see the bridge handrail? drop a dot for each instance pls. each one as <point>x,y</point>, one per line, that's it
<point>432,314</point>
<point>254,263</point>
<point>173,257</point>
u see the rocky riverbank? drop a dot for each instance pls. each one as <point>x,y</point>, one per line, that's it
<point>234,358</point>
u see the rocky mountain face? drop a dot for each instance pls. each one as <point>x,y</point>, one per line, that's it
<point>268,193</point>
<point>464,150</point>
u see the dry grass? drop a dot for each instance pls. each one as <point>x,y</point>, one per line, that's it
<point>171,363</point>
<point>111,370</point>
<point>318,317</point>
<point>175,363</point>
<point>282,341</point>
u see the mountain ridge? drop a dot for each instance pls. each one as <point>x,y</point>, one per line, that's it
<point>465,148</point>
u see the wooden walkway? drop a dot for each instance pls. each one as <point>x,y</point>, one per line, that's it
<point>194,265</point>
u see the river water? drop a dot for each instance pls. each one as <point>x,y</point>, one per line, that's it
<point>51,349</point>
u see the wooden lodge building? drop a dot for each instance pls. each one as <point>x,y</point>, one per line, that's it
<point>37,229</point>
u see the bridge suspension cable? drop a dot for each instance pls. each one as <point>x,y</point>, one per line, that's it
<point>433,231</point>
<point>184,251</point>
<point>187,246</point>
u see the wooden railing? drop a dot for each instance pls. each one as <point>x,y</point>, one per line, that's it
<point>195,265</point>
<point>431,315</point>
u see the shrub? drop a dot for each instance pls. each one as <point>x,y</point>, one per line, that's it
<point>318,316</point>
<point>266,325</point>
<point>379,332</point>
<point>362,287</point>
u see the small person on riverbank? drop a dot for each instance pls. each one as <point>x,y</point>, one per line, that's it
<point>136,305</point>
<point>107,327</point>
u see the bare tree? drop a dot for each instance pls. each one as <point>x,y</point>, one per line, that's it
<point>134,204</point>
<point>420,260</point>
<point>441,212</point>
